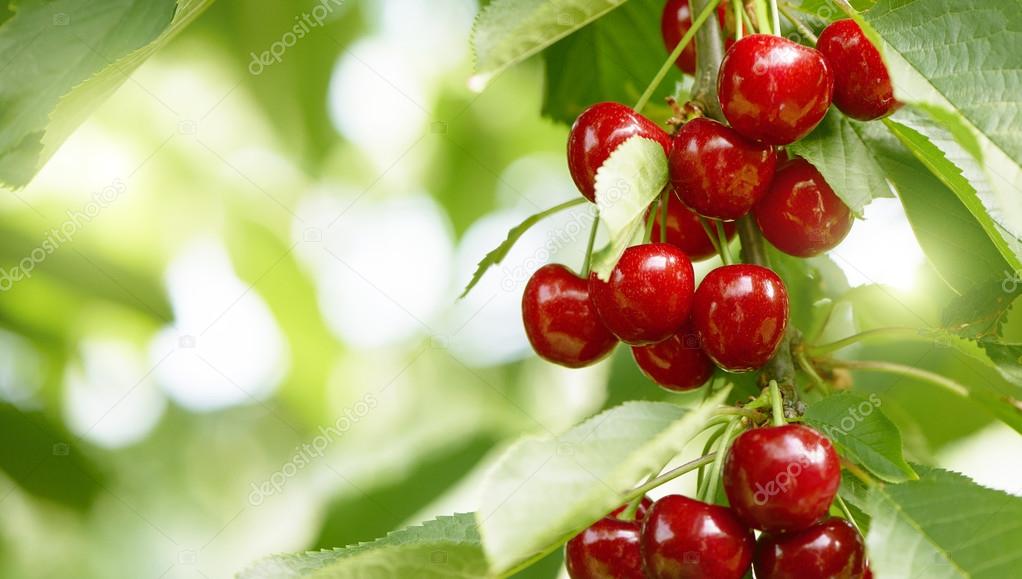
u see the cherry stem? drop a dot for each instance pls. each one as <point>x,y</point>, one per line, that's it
<point>710,441</point>
<point>724,246</point>
<point>908,371</point>
<point>588,262</point>
<point>823,349</point>
<point>670,475</point>
<point>709,495</point>
<point>666,67</point>
<point>713,238</point>
<point>762,16</point>
<point>633,507</point>
<point>664,200</point>
<point>709,54</point>
<point>776,404</point>
<point>775,16</point>
<point>797,22</point>
<point>807,367</point>
<point>739,12</point>
<point>847,512</point>
<point>846,8</point>
<point>649,220</point>
<point>858,472</point>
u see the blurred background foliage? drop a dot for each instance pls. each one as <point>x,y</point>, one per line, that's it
<point>280,270</point>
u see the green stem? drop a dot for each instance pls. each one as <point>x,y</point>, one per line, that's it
<point>762,17</point>
<point>908,371</point>
<point>775,16</point>
<point>713,238</point>
<point>710,441</point>
<point>671,475</point>
<point>846,511</point>
<point>587,264</point>
<point>846,8</point>
<point>797,22</point>
<point>664,201</point>
<point>649,221</point>
<point>739,12</point>
<point>709,54</point>
<point>807,367</point>
<point>669,63</point>
<point>824,349</point>
<point>776,404</point>
<point>725,247</point>
<point>710,494</point>
<point>633,507</point>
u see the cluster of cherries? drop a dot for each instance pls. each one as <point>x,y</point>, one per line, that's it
<point>772,92</point>
<point>780,480</point>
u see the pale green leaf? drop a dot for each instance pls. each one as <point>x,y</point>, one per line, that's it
<point>447,547</point>
<point>943,526</point>
<point>507,32</point>
<point>545,490</point>
<point>627,182</point>
<point>862,433</point>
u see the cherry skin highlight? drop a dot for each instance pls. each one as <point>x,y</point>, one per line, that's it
<point>717,172</point>
<point>800,214</point>
<point>675,21</point>
<point>597,133</point>
<point>608,549</point>
<point>678,363</point>
<point>561,321</point>
<point>862,84</point>
<point>685,231</point>
<point>740,313</point>
<point>773,90</point>
<point>685,538</point>
<point>832,549</point>
<point>781,478</point>
<point>648,295</point>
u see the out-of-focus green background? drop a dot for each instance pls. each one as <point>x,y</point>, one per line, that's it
<point>245,339</point>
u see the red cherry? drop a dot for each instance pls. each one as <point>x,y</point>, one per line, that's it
<point>740,313</point>
<point>649,294</point>
<point>561,321</point>
<point>717,172</point>
<point>678,363</point>
<point>832,549</point>
<point>862,85</point>
<point>597,133</point>
<point>781,478</point>
<point>800,214</point>
<point>685,231</point>
<point>685,538</point>
<point>773,90</point>
<point>675,22</point>
<point>609,548</point>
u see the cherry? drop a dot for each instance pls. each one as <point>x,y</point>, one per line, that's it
<point>678,363</point>
<point>609,548</point>
<point>648,295</point>
<point>685,231</point>
<point>781,478</point>
<point>800,214</point>
<point>597,132</point>
<point>862,85</point>
<point>740,313</point>
<point>717,172</point>
<point>832,549</point>
<point>561,321</point>
<point>773,90</point>
<point>675,22</point>
<point>685,538</point>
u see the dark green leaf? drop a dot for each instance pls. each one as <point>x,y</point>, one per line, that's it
<point>862,433</point>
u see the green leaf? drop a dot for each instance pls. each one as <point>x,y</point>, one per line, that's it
<point>1008,359</point>
<point>862,433</point>
<point>496,255</point>
<point>982,311</point>
<point>838,149</point>
<point>943,526</point>
<point>442,548</point>
<point>627,182</point>
<point>959,62</point>
<point>545,490</point>
<point>67,57</point>
<point>507,32</point>
<point>611,60</point>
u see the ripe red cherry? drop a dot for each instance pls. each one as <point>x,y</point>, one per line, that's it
<point>685,232</point>
<point>717,172</point>
<point>597,132</point>
<point>740,312</point>
<point>609,548</point>
<point>685,538</point>
<point>675,22</point>
<point>781,478</point>
<point>648,295</point>
<point>678,363</point>
<point>560,319</point>
<point>800,214</point>
<point>832,549</point>
<point>773,90</point>
<point>862,85</point>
